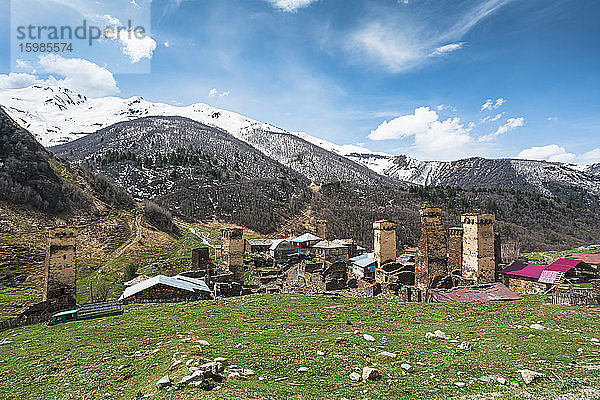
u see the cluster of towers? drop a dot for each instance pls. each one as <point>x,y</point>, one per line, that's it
<point>467,252</point>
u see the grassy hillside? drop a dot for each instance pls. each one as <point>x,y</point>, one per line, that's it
<point>274,335</point>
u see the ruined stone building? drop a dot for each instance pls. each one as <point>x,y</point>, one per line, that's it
<point>455,251</point>
<point>233,252</point>
<point>479,258</point>
<point>60,271</point>
<point>431,263</point>
<point>384,241</point>
<point>331,251</point>
<point>202,265</point>
<point>321,228</point>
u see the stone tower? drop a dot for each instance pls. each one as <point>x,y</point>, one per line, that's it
<point>384,241</point>
<point>60,269</point>
<point>455,250</point>
<point>479,262</point>
<point>321,228</point>
<point>233,252</point>
<point>431,260</point>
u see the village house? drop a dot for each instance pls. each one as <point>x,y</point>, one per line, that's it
<point>535,279</point>
<point>363,266</point>
<point>281,249</point>
<point>331,251</point>
<point>258,245</point>
<point>304,242</point>
<point>163,288</point>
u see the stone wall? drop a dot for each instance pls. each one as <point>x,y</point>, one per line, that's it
<point>233,252</point>
<point>479,258</point>
<point>60,270</point>
<point>523,285</point>
<point>384,241</point>
<point>455,250</point>
<point>431,257</point>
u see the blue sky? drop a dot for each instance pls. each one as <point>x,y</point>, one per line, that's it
<point>403,77</point>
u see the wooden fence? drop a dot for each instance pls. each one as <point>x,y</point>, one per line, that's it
<point>24,321</point>
<point>574,297</point>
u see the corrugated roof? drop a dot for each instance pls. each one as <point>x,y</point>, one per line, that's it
<point>563,264</point>
<point>524,270</point>
<point>494,291</point>
<point>276,243</point>
<point>588,258</point>
<point>307,237</point>
<point>180,282</point>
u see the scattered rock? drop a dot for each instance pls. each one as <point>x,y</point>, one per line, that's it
<point>441,335</point>
<point>302,370</point>
<point>529,375</point>
<point>460,384</point>
<point>466,346</point>
<point>197,377</point>
<point>501,381</point>
<point>175,364</point>
<point>221,360</point>
<point>368,338</point>
<point>387,354</point>
<point>429,335</point>
<point>163,382</point>
<point>355,376</point>
<point>202,342</point>
<point>341,340</point>
<point>407,367</point>
<point>537,326</point>
<point>370,374</point>
<point>320,353</point>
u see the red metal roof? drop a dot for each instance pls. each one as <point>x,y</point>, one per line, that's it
<point>563,265</point>
<point>525,270</point>
<point>588,258</point>
<point>494,291</point>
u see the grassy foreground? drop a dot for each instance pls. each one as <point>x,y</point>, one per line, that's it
<point>274,335</point>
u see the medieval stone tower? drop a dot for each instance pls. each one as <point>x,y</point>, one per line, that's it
<point>384,241</point>
<point>455,251</point>
<point>233,252</point>
<point>479,262</point>
<point>431,260</point>
<point>321,228</point>
<point>60,269</point>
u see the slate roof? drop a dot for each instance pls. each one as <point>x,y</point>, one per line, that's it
<point>180,282</point>
<point>494,291</point>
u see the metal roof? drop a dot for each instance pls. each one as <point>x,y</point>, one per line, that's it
<point>588,258</point>
<point>276,243</point>
<point>494,291</point>
<point>364,260</point>
<point>179,282</point>
<point>307,237</point>
<point>564,265</point>
<point>524,270</point>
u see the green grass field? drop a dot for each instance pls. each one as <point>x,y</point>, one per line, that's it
<point>274,335</point>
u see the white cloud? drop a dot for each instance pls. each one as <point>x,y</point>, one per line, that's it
<point>491,104</point>
<point>18,80</point>
<point>552,118</point>
<point>497,117</point>
<point>591,157</point>
<point>405,125</point>
<point>214,92</point>
<point>449,48</point>
<point>167,44</point>
<point>24,66</point>
<point>432,138</point>
<point>133,46</point>
<point>552,152</point>
<point>511,123</point>
<point>80,75</point>
<point>290,5</point>
<point>402,41</point>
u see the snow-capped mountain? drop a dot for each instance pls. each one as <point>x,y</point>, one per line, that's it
<point>57,115</point>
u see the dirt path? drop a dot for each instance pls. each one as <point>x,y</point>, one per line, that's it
<point>138,235</point>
